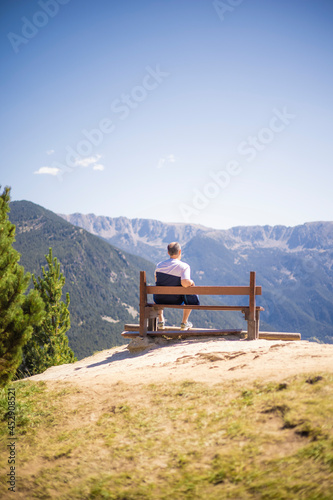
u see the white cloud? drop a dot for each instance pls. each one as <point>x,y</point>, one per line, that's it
<point>86,162</point>
<point>165,161</point>
<point>91,161</point>
<point>48,171</point>
<point>50,152</point>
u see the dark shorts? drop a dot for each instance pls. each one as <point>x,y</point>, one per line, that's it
<point>177,300</point>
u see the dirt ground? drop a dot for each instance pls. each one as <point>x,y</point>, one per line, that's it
<point>207,360</point>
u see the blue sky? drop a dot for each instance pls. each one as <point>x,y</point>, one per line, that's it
<point>210,112</point>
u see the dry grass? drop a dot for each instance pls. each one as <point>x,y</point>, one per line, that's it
<point>183,440</point>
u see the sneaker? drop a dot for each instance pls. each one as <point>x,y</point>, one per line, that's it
<point>161,325</point>
<point>186,326</point>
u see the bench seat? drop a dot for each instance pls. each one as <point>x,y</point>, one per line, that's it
<point>206,308</point>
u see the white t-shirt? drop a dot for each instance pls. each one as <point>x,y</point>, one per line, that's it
<point>175,267</point>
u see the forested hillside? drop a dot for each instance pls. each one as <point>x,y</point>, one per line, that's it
<point>102,281</point>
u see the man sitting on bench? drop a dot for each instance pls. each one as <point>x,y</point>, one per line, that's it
<point>173,272</point>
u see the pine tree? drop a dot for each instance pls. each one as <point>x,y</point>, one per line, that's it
<point>19,313</point>
<point>48,345</point>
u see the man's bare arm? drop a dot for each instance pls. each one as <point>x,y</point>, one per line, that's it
<point>187,283</point>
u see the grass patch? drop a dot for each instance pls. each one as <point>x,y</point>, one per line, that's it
<point>179,440</point>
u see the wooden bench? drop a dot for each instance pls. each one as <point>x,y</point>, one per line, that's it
<point>149,311</point>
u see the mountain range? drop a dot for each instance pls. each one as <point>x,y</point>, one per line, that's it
<point>294,265</point>
<point>101,258</point>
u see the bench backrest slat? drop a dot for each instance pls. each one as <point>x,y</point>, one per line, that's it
<point>202,290</point>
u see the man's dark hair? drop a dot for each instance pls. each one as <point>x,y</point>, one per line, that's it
<point>173,248</point>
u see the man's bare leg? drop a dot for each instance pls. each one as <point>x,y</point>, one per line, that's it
<point>186,313</point>
<point>160,316</point>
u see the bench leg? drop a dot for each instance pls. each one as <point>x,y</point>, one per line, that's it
<point>253,327</point>
<point>257,323</point>
<point>152,324</point>
<point>149,321</point>
<point>142,305</point>
<point>143,326</point>
<point>251,330</point>
<point>251,322</point>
